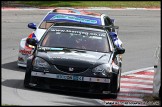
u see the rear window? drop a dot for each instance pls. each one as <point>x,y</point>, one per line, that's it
<point>76,39</point>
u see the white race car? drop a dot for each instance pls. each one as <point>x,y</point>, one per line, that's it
<point>58,15</point>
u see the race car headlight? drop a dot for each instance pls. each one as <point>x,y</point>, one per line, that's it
<point>103,70</point>
<point>41,64</point>
<point>30,46</point>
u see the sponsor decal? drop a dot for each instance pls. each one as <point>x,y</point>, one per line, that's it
<point>73,18</point>
<point>102,34</point>
<point>25,52</point>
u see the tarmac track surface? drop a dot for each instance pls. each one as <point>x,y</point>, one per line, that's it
<point>139,32</point>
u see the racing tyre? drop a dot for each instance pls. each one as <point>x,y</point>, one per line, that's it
<point>114,87</point>
<point>118,90</point>
<point>27,79</point>
<point>114,96</point>
<point>119,79</point>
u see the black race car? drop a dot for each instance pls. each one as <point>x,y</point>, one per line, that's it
<point>75,57</point>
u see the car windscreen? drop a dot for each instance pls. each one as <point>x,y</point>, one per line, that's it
<point>76,39</point>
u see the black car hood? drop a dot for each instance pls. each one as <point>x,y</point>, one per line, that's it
<point>75,59</point>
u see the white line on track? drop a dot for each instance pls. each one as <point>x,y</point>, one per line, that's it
<point>128,99</point>
<point>135,80</point>
<point>142,76</point>
<point>90,8</point>
<point>137,85</point>
<point>135,90</point>
<point>130,94</point>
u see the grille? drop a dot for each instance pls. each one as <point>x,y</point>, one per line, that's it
<point>70,69</point>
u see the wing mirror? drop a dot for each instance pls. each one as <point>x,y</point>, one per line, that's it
<point>120,50</point>
<point>31,41</point>
<point>32,26</point>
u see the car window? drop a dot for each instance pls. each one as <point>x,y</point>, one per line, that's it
<point>77,39</point>
<point>45,25</point>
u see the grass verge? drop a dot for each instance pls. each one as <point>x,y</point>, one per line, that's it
<point>111,4</point>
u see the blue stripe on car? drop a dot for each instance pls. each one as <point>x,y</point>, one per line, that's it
<point>73,18</point>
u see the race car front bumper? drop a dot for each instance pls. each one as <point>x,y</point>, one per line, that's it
<point>70,83</point>
<point>24,53</point>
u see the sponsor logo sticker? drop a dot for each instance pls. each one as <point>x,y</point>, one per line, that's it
<point>73,18</point>
<point>24,52</point>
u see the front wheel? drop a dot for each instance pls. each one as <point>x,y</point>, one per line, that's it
<point>115,85</point>
<point>114,95</point>
<point>27,79</point>
<point>119,77</point>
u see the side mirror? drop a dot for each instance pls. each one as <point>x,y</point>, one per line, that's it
<point>120,50</point>
<point>31,41</point>
<point>32,26</point>
<point>113,21</point>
